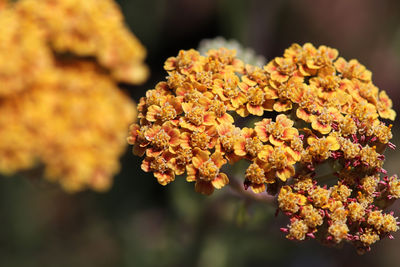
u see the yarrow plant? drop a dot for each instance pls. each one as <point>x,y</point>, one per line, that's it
<point>317,147</point>
<point>60,104</point>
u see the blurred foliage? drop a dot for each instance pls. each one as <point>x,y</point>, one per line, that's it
<point>140,223</point>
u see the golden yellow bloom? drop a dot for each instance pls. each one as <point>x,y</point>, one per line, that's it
<point>340,192</point>
<point>319,196</point>
<point>63,133</point>
<point>256,101</point>
<point>257,177</point>
<point>166,109</point>
<point>375,218</point>
<point>324,120</point>
<point>338,231</point>
<point>369,237</point>
<point>298,230</point>
<point>389,223</point>
<point>196,117</point>
<point>370,157</point>
<point>228,91</point>
<point>369,184</point>
<point>394,186</point>
<point>282,130</point>
<point>347,126</point>
<point>289,201</point>
<point>59,108</point>
<point>320,148</point>
<point>21,45</point>
<point>356,211</point>
<point>311,216</point>
<point>162,138</point>
<point>350,150</point>
<point>93,29</point>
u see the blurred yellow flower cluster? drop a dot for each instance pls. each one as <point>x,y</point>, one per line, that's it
<point>322,155</point>
<point>60,105</point>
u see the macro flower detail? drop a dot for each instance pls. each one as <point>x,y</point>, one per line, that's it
<point>205,171</point>
<point>62,111</point>
<point>317,146</point>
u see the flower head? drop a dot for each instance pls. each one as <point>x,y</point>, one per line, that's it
<point>321,155</point>
<point>60,65</point>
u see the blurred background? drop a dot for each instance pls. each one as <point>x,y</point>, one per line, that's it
<point>140,223</point>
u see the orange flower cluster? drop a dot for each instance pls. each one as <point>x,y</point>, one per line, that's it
<point>328,127</point>
<point>60,105</point>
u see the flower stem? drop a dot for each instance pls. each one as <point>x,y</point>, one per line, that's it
<point>237,189</point>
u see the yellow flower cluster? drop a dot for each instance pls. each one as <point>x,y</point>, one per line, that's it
<point>329,118</point>
<point>60,105</point>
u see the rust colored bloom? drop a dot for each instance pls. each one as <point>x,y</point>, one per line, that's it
<point>228,91</point>
<point>256,100</point>
<point>228,135</point>
<point>162,138</point>
<point>201,139</point>
<point>196,117</point>
<point>249,144</point>
<point>205,171</point>
<point>167,109</point>
<point>384,106</point>
<point>282,131</point>
<point>321,155</point>
<point>162,167</point>
<point>280,69</point>
<point>324,120</point>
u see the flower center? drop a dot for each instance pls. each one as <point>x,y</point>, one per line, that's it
<point>161,140</point>
<point>255,174</point>
<point>159,164</point>
<point>208,171</point>
<point>255,96</point>
<point>152,98</point>
<point>200,140</point>
<point>205,78</point>
<point>227,143</point>
<point>231,92</point>
<point>195,116</point>
<point>287,67</point>
<point>278,159</point>
<point>192,96</point>
<point>167,113</point>
<point>325,117</point>
<point>253,146</point>
<point>330,83</point>
<point>218,108</point>
<point>184,156</point>
<point>277,130</point>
